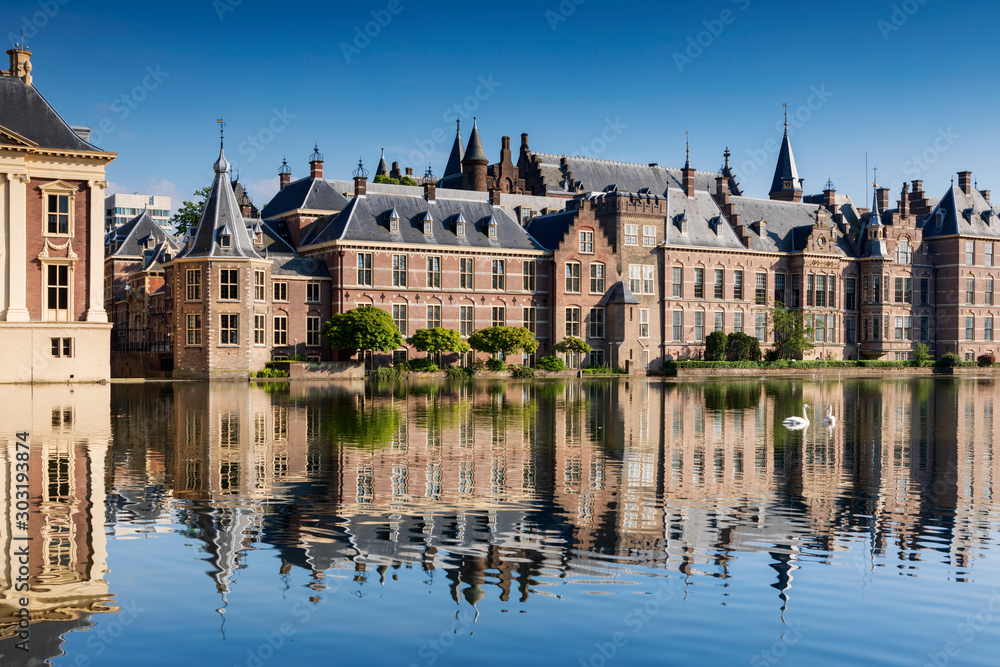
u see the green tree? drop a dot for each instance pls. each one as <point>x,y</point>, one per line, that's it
<point>365,328</point>
<point>503,340</point>
<point>406,180</point>
<point>921,355</point>
<point>386,180</point>
<point>570,345</point>
<point>189,213</point>
<point>791,335</point>
<point>437,340</point>
<point>715,346</point>
<point>741,347</point>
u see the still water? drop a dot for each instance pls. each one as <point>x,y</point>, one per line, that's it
<point>538,523</point>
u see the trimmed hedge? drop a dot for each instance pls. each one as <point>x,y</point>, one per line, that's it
<point>784,363</point>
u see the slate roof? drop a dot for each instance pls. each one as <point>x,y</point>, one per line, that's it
<point>600,175</point>
<point>454,166</point>
<point>549,230</point>
<point>24,111</point>
<point>314,194</point>
<point>704,221</point>
<point>383,168</point>
<point>787,226</point>
<point>785,169</point>
<point>366,218</point>
<point>963,214</point>
<point>220,217</point>
<point>128,238</point>
<point>475,150</point>
<point>619,294</point>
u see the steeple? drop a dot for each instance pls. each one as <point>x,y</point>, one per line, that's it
<point>786,185</point>
<point>474,164</point>
<point>687,173</point>
<point>221,231</point>
<point>454,167</point>
<point>875,218</point>
<point>383,168</point>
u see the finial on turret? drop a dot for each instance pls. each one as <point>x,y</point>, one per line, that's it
<point>361,172</point>
<point>785,106</point>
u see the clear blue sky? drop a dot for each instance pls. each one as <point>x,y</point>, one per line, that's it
<point>897,80</point>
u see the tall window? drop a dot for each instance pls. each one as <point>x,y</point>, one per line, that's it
<point>970,253</point>
<point>903,252</point>
<point>738,322</point>
<point>644,323</point>
<point>573,277</point>
<point>678,282</point>
<point>899,290</point>
<point>229,329</point>
<point>648,279</point>
<point>989,292</point>
<point>699,284</point>
<point>531,319</point>
<point>849,326</point>
<point>876,288</point>
<point>433,317</point>
<point>597,323</point>
<point>760,296</point>
<point>312,292</point>
<point>530,275</point>
<point>970,328</point>
<point>229,284</point>
<point>399,270</point>
<point>280,291</point>
<point>631,234</point>
<point>876,328</point>
<point>194,330</point>
<point>821,291</point>
<point>465,265</point>
<point>587,242</point>
<point>760,327</point>
<point>988,329</point>
<point>499,318</point>
<point>573,321</point>
<point>850,285</point>
<point>281,330</point>
<point>648,235</point>
<point>399,317</point>
<point>988,257</point>
<point>908,290</point>
<point>597,278</point>
<point>810,289</point>
<point>738,285</point>
<point>58,214</point>
<point>258,285</point>
<point>699,325</point>
<point>864,290</point>
<point>433,272</point>
<point>908,328</point>
<point>193,292</point>
<point>312,331</point>
<point>925,328</point>
<point>925,291</point>
<point>720,321</point>
<point>466,320</point>
<point>970,291</point>
<point>720,283</point>
<point>364,269</point>
<point>779,288</point>
<point>499,273</point>
<point>678,325</point>
<point>258,329</point>
<point>899,327</point>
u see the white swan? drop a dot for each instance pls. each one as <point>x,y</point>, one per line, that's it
<point>797,423</point>
<point>829,420</point>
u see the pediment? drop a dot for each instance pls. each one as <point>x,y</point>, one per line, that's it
<point>10,137</point>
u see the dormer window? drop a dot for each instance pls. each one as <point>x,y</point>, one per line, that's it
<point>460,225</point>
<point>167,257</point>
<point>491,228</point>
<point>225,241</point>
<point>393,221</point>
<point>428,224</point>
<point>682,223</point>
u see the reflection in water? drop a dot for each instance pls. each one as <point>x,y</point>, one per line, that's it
<point>507,491</point>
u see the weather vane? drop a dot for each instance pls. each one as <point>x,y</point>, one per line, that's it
<point>222,130</point>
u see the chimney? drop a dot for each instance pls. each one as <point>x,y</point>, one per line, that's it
<point>883,199</point>
<point>394,172</point>
<point>284,175</point>
<point>430,191</point>
<point>316,163</point>
<point>904,204</point>
<point>986,195</point>
<point>830,196</point>
<point>688,180</point>
<point>721,190</point>
<point>495,196</point>
<point>524,141</point>
<point>20,64</point>
<point>965,181</point>
<point>504,150</point>
<point>409,172</point>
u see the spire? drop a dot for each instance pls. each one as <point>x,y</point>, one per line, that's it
<point>876,215</point>
<point>786,185</point>
<point>454,167</point>
<point>475,153</point>
<point>687,173</point>
<point>687,151</point>
<point>383,168</point>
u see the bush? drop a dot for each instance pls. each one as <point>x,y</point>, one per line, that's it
<point>603,370</point>
<point>950,360</point>
<point>459,372</point>
<point>985,360</point>
<point>715,346</point>
<point>741,347</point>
<point>385,374</point>
<point>423,365</point>
<point>496,365</point>
<point>550,363</point>
<point>523,372</point>
<point>269,372</point>
<point>478,365</point>
<point>772,355</point>
<point>403,366</point>
<point>920,356</point>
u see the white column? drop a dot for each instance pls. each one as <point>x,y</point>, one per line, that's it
<point>17,247</point>
<point>95,253</point>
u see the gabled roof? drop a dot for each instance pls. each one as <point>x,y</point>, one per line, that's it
<point>313,194</point>
<point>221,217</point>
<point>277,247</point>
<point>366,219</point>
<point>454,167</point>
<point>549,230</point>
<point>24,111</point>
<point>599,175</point>
<point>963,214</point>
<point>128,239</point>
<point>785,170</point>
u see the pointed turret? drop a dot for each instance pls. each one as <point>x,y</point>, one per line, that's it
<point>875,219</point>
<point>221,231</point>
<point>383,168</point>
<point>474,164</point>
<point>786,185</point>
<point>454,167</point>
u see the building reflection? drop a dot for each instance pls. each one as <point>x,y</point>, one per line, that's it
<point>516,487</point>
<point>70,429</point>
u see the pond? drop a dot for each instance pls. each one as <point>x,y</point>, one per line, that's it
<point>519,522</point>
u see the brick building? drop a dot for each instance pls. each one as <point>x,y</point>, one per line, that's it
<point>53,325</point>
